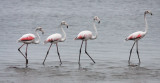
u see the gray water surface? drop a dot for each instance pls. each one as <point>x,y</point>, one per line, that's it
<point>119,18</point>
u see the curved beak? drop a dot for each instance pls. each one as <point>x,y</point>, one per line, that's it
<point>99,22</point>
<point>42,31</point>
<point>66,25</point>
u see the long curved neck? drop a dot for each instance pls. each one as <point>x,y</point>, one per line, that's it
<point>38,38</point>
<point>64,37</point>
<point>146,25</point>
<point>96,33</point>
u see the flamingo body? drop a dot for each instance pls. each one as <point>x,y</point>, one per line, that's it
<point>54,38</point>
<point>27,38</point>
<point>84,35</point>
<point>87,35</point>
<point>136,35</point>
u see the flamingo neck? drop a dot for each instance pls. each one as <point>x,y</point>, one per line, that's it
<point>146,25</point>
<point>64,37</point>
<point>37,41</point>
<point>96,33</point>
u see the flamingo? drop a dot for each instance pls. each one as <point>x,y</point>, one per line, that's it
<point>138,35</point>
<point>87,35</point>
<point>28,39</point>
<point>54,39</point>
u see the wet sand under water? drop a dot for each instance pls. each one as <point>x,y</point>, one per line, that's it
<point>71,72</point>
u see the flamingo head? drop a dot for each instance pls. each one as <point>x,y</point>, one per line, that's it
<point>148,12</point>
<point>40,29</point>
<point>64,23</point>
<point>96,19</point>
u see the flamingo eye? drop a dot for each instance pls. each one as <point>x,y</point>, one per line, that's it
<point>95,18</point>
<point>40,28</point>
<point>63,23</point>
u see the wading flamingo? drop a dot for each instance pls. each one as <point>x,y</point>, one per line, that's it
<point>55,38</point>
<point>28,39</point>
<point>138,35</point>
<point>86,35</point>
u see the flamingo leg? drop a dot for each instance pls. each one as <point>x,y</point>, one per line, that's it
<point>80,51</point>
<point>138,52</point>
<point>20,50</point>
<point>87,52</point>
<point>26,54</point>
<point>131,52</point>
<point>58,53</point>
<point>47,53</point>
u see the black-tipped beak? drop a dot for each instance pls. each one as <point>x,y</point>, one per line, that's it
<point>42,31</point>
<point>99,22</point>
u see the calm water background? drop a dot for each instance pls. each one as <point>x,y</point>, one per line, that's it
<point>119,18</point>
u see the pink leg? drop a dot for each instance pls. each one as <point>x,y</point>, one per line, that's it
<point>87,52</point>
<point>58,54</point>
<point>131,52</point>
<point>80,52</point>
<point>47,53</point>
<point>26,54</point>
<point>138,52</point>
<point>20,51</point>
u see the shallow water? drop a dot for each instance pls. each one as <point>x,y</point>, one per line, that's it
<point>110,51</point>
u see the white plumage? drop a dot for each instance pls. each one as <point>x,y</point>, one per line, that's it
<point>136,35</point>
<point>54,38</point>
<point>27,36</point>
<point>28,39</point>
<point>85,35</point>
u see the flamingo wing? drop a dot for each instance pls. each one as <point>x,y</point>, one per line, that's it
<point>27,37</point>
<point>54,37</point>
<point>136,35</point>
<point>84,35</point>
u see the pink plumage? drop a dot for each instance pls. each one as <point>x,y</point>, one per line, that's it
<point>87,35</point>
<point>54,38</point>
<point>84,35</point>
<point>136,35</point>
<point>27,37</point>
